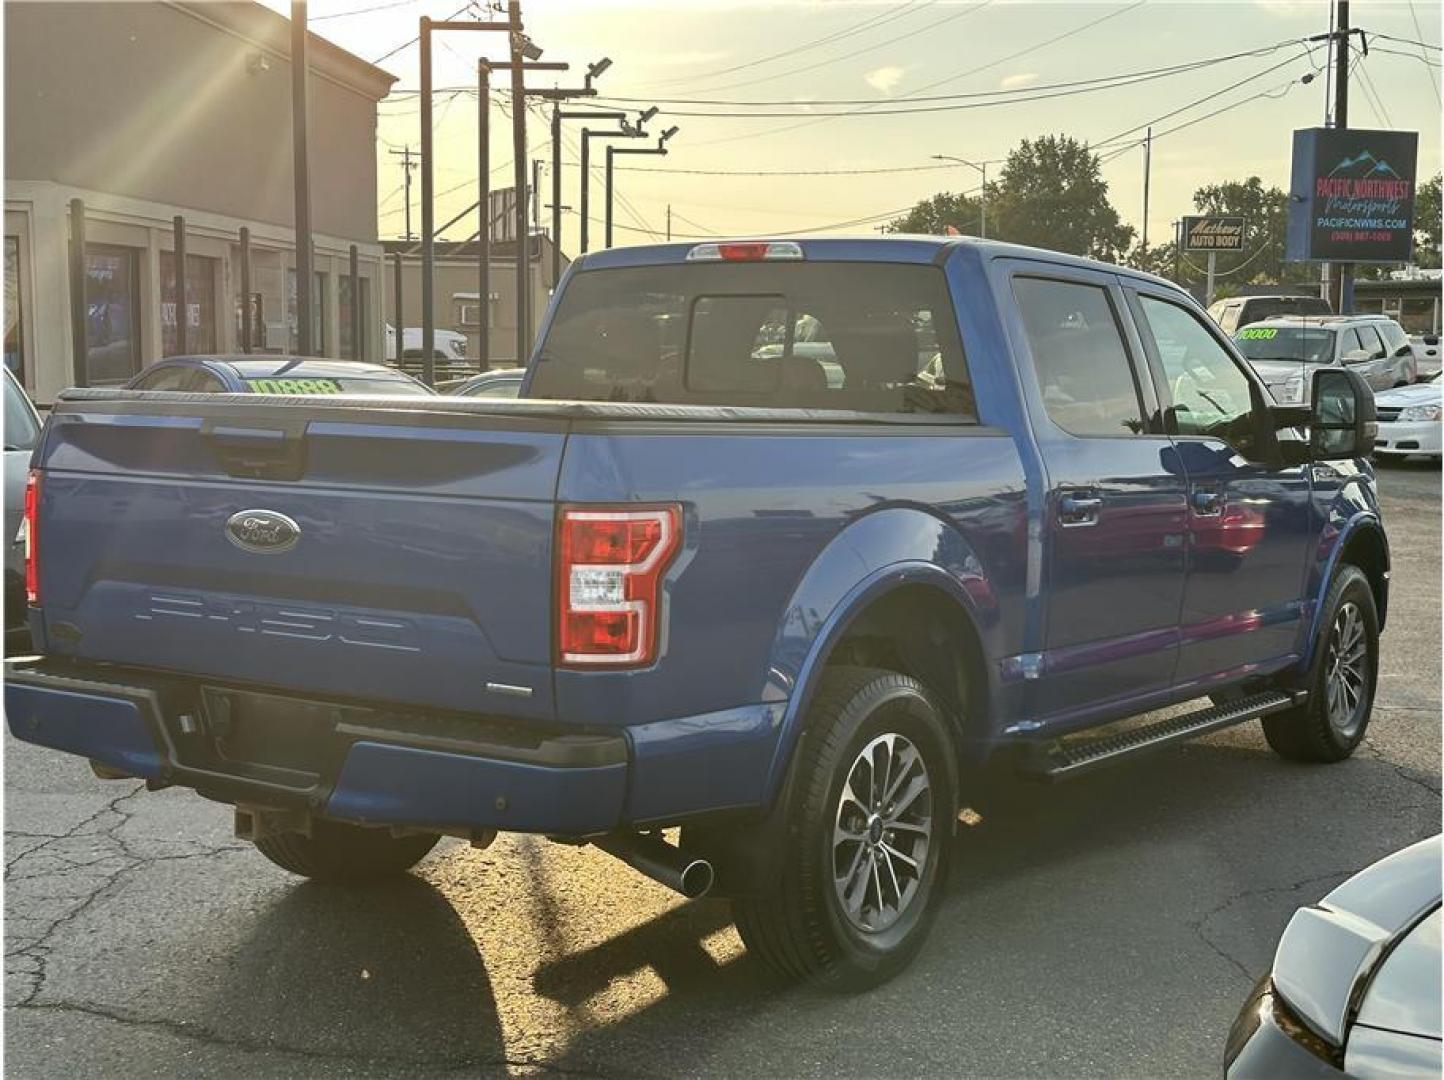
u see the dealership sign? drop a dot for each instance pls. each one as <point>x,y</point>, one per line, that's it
<point>1352,196</point>
<point>1213,233</point>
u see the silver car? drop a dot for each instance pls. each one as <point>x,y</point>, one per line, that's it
<point>1285,351</point>
<point>22,430</point>
<point>1355,984</point>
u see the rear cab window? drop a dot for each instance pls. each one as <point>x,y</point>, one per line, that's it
<point>866,337</point>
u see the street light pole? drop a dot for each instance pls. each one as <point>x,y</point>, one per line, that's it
<point>612,151</point>
<point>519,47</point>
<point>301,165</point>
<point>982,192</point>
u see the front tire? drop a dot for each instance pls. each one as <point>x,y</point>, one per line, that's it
<point>338,852</point>
<point>1331,722</point>
<point>867,848</point>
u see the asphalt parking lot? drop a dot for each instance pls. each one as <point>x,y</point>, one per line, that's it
<point>1109,926</point>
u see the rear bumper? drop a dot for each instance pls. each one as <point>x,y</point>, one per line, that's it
<point>346,762</point>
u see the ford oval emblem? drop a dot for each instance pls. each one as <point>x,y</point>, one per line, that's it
<point>263,532</point>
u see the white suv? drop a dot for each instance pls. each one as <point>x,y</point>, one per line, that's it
<point>1284,351</point>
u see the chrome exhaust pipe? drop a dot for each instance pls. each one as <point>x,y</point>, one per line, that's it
<point>649,854</point>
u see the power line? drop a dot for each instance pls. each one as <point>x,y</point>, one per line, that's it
<point>794,172</point>
<point>858,52</point>
<point>407,44</point>
<point>1172,69</point>
<point>1410,41</point>
<point>952,78</point>
<point>1371,93</point>
<point>363,11</point>
<point>871,22</point>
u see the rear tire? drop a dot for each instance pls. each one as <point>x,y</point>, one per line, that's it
<point>1331,722</point>
<point>338,852</point>
<point>866,852</point>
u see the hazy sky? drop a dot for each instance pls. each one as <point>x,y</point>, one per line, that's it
<point>891,49</point>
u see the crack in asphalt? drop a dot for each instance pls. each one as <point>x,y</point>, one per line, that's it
<point>1399,770</point>
<point>208,1036</point>
<point>108,881</point>
<point>1198,925</point>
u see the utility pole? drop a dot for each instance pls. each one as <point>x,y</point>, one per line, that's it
<point>1345,275</point>
<point>302,168</point>
<point>536,168</point>
<point>1147,172</point>
<point>519,47</point>
<point>406,166</point>
<point>483,206</point>
<point>669,223</point>
<point>428,222</point>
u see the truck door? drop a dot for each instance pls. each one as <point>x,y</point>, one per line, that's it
<point>1248,513</point>
<point>1115,513</point>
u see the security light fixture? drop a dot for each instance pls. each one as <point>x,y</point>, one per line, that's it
<point>595,70</point>
<point>669,133</point>
<point>528,48</point>
<point>647,115</point>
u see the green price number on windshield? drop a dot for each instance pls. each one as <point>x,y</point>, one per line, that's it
<point>294,386</point>
<point>1258,333</point>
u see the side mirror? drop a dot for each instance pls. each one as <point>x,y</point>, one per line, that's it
<point>1357,356</point>
<point>1342,420</point>
<point>1431,339</point>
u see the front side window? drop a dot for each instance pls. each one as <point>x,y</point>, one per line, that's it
<point>1210,393</point>
<point>867,337</point>
<point>1078,353</point>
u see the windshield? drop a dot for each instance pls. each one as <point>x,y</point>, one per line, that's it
<point>1308,344</point>
<point>21,430</point>
<point>874,337</point>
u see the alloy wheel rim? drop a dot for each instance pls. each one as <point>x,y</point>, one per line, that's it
<point>1347,669</point>
<point>882,833</point>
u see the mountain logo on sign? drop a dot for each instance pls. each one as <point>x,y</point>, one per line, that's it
<point>1372,166</point>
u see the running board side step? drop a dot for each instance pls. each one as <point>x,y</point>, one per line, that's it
<point>1057,759</point>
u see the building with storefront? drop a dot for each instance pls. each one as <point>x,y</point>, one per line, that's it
<point>150,110</point>
<point>1412,297</point>
<point>457,286</point>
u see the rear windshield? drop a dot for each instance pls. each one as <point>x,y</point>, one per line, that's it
<point>1257,310</point>
<point>1316,346</point>
<point>349,385</point>
<point>871,337</point>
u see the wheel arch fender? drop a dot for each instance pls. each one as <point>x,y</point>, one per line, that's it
<point>1362,542</point>
<point>878,557</point>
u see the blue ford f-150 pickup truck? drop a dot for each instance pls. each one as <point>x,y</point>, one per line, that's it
<point>787,598</point>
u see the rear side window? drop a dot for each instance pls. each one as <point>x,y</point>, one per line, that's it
<point>1394,337</point>
<point>1078,353</point>
<point>870,337</point>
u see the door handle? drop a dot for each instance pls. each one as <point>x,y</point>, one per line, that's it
<point>1076,510</point>
<point>1207,503</point>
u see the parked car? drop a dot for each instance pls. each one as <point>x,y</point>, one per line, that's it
<point>250,374</point>
<point>489,384</point>
<point>1409,420</point>
<point>1355,985</point>
<point>1240,311</point>
<point>1426,353</point>
<point>1285,352</point>
<point>22,431</point>
<point>447,345</point>
<point>681,585</point>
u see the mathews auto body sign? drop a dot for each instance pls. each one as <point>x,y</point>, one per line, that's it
<point>1352,197</point>
<point>1213,233</point>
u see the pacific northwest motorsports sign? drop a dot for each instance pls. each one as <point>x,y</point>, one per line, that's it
<point>1213,233</point>
<point>1352,196</point>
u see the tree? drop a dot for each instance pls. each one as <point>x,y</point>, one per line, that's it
<point>936,214</point>
<point>1052,195</point>
<point>1427,223</point>
<point>1265,211</point>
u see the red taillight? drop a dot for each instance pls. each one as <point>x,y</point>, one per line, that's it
<point>32,538</point>
<point>610,564</point>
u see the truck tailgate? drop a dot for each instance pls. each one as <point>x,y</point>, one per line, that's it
<point>420,572</point>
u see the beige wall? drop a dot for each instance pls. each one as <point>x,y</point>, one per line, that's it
<point>159,102</point>
<point>462,277</point>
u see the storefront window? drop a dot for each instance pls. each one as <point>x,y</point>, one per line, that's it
<point>112,339</point>
<point>343,314</point>
<point>318,313</point>
<point>14,328</point>
<point>200,304</point>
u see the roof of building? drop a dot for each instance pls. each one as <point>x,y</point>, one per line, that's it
<point>272,31</point>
